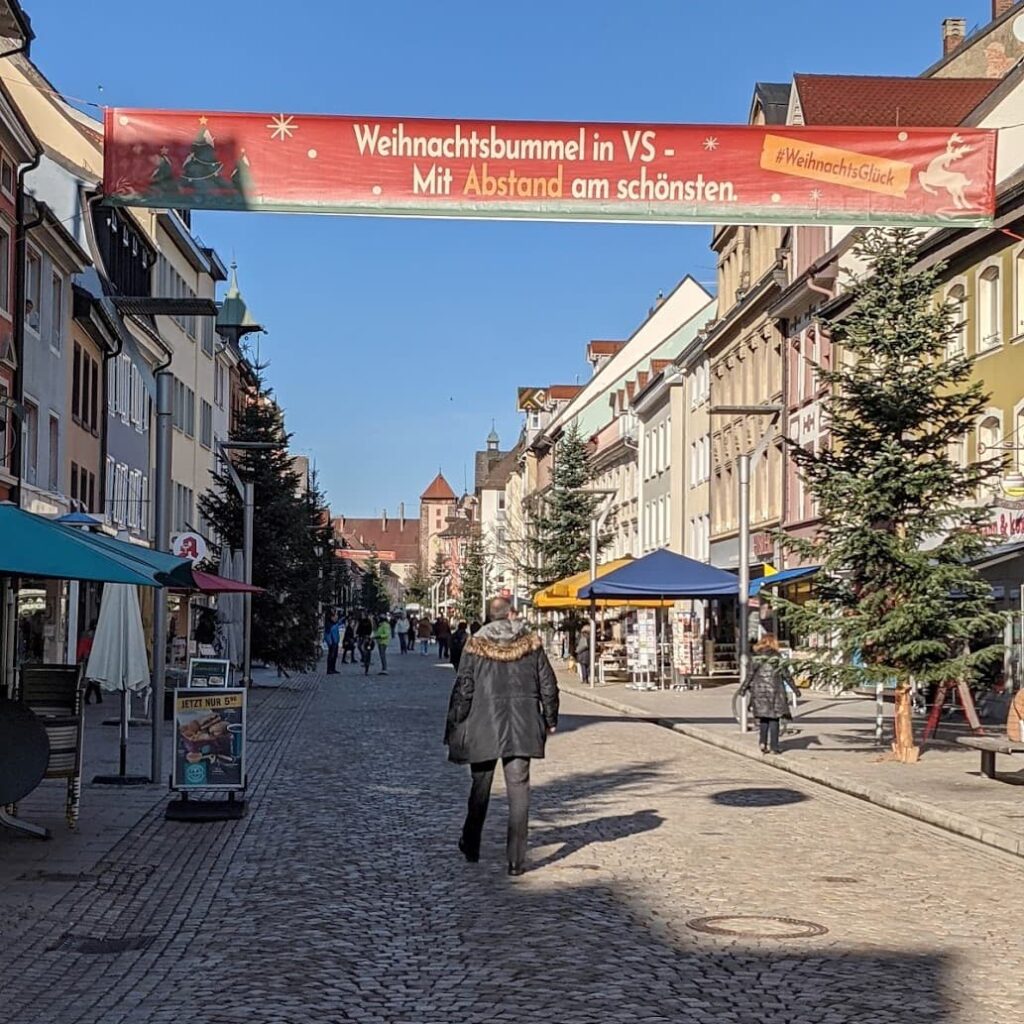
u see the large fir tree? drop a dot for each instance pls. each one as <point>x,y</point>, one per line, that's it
<point>471,584</point>
<point>373,595</point>
<point>289,526</point>
<point>562,530</point>
<point>901,520</point>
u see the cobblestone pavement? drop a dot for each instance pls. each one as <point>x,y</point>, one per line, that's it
<point>341,896</point>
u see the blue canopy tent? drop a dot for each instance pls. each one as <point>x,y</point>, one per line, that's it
<point>663,574</point>
<point>781,578</point>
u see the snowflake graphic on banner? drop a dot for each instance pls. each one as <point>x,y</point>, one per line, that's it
<point>711,143</point>
<point>282,127</point>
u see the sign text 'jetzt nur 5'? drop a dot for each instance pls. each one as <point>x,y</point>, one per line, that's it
<point>549,170</point>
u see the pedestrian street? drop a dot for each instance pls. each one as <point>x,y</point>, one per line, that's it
<point>667,881</point>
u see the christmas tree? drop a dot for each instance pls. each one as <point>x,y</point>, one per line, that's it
<point>471,596</point>
<point>563,527</point>
<point>290,537</point>
<point>201,170</point>
<point>900,522</point>
<point>373,595</point>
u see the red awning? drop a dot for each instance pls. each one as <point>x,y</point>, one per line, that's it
<point>210,583</point>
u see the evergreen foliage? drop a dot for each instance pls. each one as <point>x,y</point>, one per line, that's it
<point>562,529</point>
<point>417,590</point>
<point>288,529</point>
<point>471,594</point>
<point>901,520</point>
<point>373,594</point>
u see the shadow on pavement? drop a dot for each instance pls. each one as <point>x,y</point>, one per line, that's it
<point>576,837</point>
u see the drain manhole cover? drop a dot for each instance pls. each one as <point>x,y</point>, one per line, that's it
<point>95,946</point>
<point>56,876</point>
<point>754,926</point>
<point>753,797</point>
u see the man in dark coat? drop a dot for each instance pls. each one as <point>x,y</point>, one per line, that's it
<point>504,704</point>
<point>457,643</point>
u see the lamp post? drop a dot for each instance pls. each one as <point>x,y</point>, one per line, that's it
<point>744,463</point>
<point>247,492</point>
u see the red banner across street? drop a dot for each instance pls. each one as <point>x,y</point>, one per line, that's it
<point>549,170</point>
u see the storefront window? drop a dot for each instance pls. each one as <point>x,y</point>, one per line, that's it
<point>42,622</point>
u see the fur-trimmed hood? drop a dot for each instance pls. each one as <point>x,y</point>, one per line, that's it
<point>503,641</point>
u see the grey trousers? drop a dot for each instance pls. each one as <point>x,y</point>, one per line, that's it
<point>517,785</point>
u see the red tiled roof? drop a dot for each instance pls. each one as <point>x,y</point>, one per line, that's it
<point>630,388</point>
<point>604,348</point>
<point>403,543</point>
<point>439,490</point>
<point>879,100</point>
<point>642,378</point>
<point>561,391</point>
<point>657,365</point>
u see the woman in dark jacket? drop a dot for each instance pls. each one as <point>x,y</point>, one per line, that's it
<point>766,683</point>
<point>503,705</point>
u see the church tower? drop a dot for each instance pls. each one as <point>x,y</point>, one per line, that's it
<point>437,504</point>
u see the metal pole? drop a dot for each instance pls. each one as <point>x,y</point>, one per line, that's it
<point>162,542</point>
<point>593,615</point>
<point>483,583</point>
<point>879,710</point>
<point>249,503</point>
<point>743,597</point>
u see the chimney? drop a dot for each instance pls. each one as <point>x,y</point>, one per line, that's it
<point>401,516</point>
<point>383,518</point>
<point>953,32</point>
<point>1000,7</point>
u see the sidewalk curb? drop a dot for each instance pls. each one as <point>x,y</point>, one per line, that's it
<point>948,821</point>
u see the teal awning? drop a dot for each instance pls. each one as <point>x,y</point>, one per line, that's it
<point>31,545</point>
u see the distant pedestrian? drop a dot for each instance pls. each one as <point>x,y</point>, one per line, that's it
<point>383,637</point>
<point>457,643</point>
<point>402,629</point>
<point>332,637</point>
<point>583,654</point>
<point>766,683</point>
<point>82,652</point>
<point>503,705</point>
<point>366,647</point>
<point>423,631</point>
<point>348,644</point>
<point>443,633</point>
<point>365,627</point>
<point>474,628</point>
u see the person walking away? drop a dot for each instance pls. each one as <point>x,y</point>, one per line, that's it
<point>474,628</point>
<point>766,683</point>
<point>348,644</point>
<point>423,633</point>
<point>457,643</point>
<point>443,632</point>
<point>332,637</point>
<point>583,654</point>
<point>383,637</point>
<point>504,705</point>
<point>366,646</point>
<point>82,652</point>
<point>402,629</point>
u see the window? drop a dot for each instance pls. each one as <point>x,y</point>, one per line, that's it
<point>988,310</point>
<point>134,498</point>
<point>33,277</point>
<point>957,344</point>
<point>54,453</point>
<point>30,441</point>
<point>206,334</point>
<point>57,312</point>
<point>220,374</point>
<point>74,486</point>
<point>205,424</point>
<point>190,413</point>
<point>5,269</point>
<point>7,176</point>
<point>94,390</point>
<point>92,491</point>
<point>112,366</point>
<point>989,435</point>
<point>76,383</point>
<point>124,379</point>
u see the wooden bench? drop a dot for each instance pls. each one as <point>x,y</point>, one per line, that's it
<point>989,747</point>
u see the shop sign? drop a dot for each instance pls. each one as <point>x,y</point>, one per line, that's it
<point>419,167</point>
<point>1007,521</point>
<point>192,546</point>
<point>209,739</point>
<point>763,545</point>
<point>209,672</point>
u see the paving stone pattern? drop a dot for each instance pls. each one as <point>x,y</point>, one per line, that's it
<point>341,896</point>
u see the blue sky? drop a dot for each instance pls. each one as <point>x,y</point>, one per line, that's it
<point>393,343</point>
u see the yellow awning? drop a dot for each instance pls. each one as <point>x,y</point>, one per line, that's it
<point>561,595</point>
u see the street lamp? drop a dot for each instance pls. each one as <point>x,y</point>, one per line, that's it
<point>246,491</point>
<point>744,462</point>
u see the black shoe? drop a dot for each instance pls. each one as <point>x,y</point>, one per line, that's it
<point>472,857</point>
<point>515,869</point>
